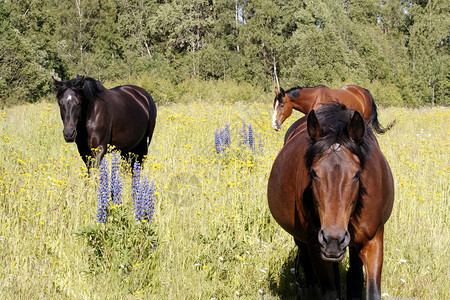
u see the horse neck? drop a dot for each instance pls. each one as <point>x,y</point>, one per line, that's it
<point>305,102</point>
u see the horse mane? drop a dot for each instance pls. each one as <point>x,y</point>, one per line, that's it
<point>334,118</point>
<point>292,93</point>
<point>89,92</point>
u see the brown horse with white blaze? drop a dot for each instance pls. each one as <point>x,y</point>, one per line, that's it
<point>331,188</point>
<point>305,99</point>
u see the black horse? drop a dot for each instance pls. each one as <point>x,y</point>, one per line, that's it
<point>95,117</point>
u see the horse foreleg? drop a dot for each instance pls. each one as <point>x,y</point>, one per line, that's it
<point>372,256</point>
<point>355,275</point>
<point>302,259</point>
<point>97,153</point>
<point>325,272</point>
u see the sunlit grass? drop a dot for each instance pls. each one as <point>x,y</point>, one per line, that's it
<point>212,234</point>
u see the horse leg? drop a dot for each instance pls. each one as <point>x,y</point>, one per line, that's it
<point>337,279</point>
<point>371,255</point>
<point>303,259</point>
<point>98,153</point>
<point>85,153</point>
<point>325,272</point>
<point>355,276</point>
<point>140,152</point>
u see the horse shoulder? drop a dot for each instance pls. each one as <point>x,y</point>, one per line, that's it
<point>98,122</point>
<point>287,182</point>
<point>377,202</point>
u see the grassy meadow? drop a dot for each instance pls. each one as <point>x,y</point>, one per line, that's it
<point>212,235</point>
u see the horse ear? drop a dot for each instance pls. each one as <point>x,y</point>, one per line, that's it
<point>80,83</point>
<point>313,126</point>
<point>58,84</point>
<point>282,92</point>
<point>356,128</point>
<point>276,91</point>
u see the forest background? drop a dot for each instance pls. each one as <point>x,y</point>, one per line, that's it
<point>183,50</point>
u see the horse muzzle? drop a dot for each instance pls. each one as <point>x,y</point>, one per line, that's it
<point>70,135</point>
<point>276,125</point>
<point>333,244</point>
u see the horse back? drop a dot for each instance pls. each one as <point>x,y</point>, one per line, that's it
<point>352,96</point>
<point>131,111</point>
<point>357,98</point>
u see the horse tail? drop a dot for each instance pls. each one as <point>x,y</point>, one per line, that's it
<point>374,119</point>
<point>152,118</point>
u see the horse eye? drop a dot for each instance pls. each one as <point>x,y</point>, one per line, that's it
<point>313,174</point>
<point>357,175</point>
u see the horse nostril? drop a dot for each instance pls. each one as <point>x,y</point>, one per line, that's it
<point>322,238</point>
<point>70,134</point>
<point>344,237</point>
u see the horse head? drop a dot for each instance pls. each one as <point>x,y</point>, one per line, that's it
<point>282,106</point>
<point>335,165</point>
<point>69,98</point>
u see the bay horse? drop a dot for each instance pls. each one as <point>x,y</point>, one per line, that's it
<point>95,117</point>
<point>305,99</point>
<point>331,188</point>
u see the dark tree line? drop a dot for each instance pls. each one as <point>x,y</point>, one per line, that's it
<point>398,49</point>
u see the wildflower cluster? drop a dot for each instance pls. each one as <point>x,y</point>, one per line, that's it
<point>247,137</point>
<point>116,180</point>
<point>108,190</point>
<point>143,191</point>
<point>222,139</point>
<point>103,192</point>
<point>143,195</point>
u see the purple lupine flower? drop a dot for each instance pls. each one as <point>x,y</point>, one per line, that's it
<point>227,137</point>
<point>147,200</point>
<point>138,202</point>
<point>136,189</point>
<point>260,144</point>
<point>103,192</point>
<point>243,134</point>
<point>251,139</point>
<point>218,142</point>
<point>116,180</point>
<point>136,179</point>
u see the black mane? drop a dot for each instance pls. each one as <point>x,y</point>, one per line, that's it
<point>90,90</point>
<point>334,119</point>
<point>292,93</point>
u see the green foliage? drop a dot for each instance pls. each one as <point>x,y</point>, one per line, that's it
<point>402,44</point>
<point>119,246</point>
<point>165,91</point>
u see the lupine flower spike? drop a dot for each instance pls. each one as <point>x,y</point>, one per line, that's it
<point>260,144</point>
<point>227,137</point>
<point>136,179</point>
<point>251,138</point>
<point>103,192</point>
<point>243,134</point>
<point>116,180</point>
<point>217,142</point>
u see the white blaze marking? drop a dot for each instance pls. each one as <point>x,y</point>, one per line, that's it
<point>336,147</point>
<point>69,98</point>
<point>274,118</point>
